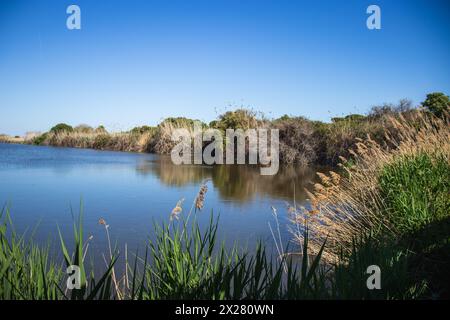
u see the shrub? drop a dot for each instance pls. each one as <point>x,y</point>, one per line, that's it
<point>297,142</point>
<point>161,140</point>
<point>238,119</point>
<point>40,139</point>
<point>61,127</point>
<point>337,138</point>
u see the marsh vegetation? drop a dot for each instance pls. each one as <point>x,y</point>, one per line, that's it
<point>387,204</point>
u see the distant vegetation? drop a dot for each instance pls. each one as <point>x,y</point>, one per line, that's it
<point>10,139</point>
<point>302,141</point>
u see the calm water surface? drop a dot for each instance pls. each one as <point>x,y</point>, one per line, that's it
<point>42,185</point>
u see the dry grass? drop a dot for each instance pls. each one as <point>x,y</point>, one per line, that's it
<point>162,142</point>
<point>347,204</point>
<point>297,142</point>
<point>10,139</point>
<point>124,141</point>
<point>157,140</point>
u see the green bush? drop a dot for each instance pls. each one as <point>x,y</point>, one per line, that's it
<point>416,191</point>
<point>61,127</point>
<point>40,139</point>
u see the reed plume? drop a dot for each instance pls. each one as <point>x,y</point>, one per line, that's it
<point>200,199</point>
<point>176,211</point>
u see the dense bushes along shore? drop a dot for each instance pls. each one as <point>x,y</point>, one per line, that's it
<point>302,141</point>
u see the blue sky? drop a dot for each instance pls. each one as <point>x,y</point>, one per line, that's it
<point>136,62</point>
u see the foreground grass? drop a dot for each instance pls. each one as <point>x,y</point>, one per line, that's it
<point>186,263</point>
<point>182,263</point>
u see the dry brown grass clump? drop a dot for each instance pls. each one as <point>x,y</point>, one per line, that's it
<point>124,141</point>
<point>4,138</point>
<point>162,142</point>
<point>347,204</point>
<point>297,142</point>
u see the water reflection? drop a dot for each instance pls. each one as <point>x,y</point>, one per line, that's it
<point>233,182</point>
<point>131,191</point>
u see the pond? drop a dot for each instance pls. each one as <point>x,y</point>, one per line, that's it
<point>44,186</point>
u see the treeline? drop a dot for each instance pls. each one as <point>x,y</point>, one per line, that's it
<point>302,141</point>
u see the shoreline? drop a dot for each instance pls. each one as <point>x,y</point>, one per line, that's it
<point>302,142</point>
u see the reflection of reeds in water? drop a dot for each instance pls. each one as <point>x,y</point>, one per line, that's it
<point>239,183</point>
<point>163,143</point>
<point>174,175</point>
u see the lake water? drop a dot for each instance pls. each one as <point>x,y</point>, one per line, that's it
<point>41,185</point>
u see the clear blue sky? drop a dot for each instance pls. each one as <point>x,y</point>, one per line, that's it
<point>136,62</point>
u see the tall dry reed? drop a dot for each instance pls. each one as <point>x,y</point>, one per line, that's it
<point>347,204</point>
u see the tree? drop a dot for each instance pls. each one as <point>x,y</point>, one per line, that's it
<point>437,103</point>
<point>61,127</point>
